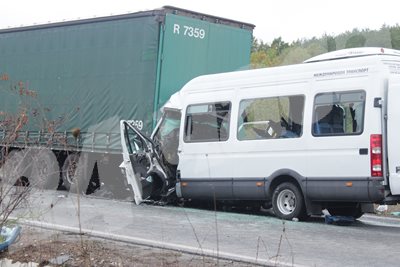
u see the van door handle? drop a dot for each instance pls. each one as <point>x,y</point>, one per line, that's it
<point>363,151</point>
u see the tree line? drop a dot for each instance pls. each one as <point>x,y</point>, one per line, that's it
<point>279,52</point>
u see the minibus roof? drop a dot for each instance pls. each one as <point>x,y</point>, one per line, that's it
<point>353,52</point>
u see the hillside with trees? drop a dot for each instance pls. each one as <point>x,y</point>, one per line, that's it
<point>278,52</point>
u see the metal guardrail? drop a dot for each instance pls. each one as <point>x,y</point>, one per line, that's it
<point>85,141</point>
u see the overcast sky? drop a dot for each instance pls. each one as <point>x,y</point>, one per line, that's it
<point>290,19</point>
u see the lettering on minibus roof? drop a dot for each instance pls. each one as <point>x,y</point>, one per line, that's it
<point>340,72</point>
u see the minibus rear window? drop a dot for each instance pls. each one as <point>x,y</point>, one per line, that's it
<point>338,113</point>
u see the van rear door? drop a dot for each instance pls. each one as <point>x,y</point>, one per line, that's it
<point>393,135</point>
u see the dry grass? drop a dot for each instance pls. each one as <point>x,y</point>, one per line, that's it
<point>41,246</point>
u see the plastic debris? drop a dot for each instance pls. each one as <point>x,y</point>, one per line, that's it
<point>325,212</point>
<point>395,213</point>
<point>382,208</point>
<point>9,234</point>
<point>339,220</point>
<point>11,263</point>
<point>60,259</point>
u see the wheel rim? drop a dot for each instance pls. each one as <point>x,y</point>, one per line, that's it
<point>71,171</point>
<point>286,202</point>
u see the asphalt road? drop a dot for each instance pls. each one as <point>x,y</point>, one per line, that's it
<point>263,239</point>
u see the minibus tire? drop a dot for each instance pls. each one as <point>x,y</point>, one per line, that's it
<point>288,202</point>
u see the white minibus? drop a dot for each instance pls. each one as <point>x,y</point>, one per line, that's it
<point>324,134</point>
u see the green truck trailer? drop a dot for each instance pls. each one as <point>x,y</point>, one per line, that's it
<point>74,81</point>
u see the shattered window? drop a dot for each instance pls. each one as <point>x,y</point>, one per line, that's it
<point>134,141</point>
<point>272,117</point>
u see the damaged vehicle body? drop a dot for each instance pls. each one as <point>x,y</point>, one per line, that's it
<point>150,164</point>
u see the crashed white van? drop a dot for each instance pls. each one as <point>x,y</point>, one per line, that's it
<point>324,134</point>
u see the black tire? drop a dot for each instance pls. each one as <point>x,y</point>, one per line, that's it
<point>288,202</point>
<point>45,169</point>
<point>353,211</point>
<point>16,165</point>
<point>35,167</point>
<point>73,174</point>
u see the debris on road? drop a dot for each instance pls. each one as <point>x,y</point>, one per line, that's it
<point>395,213</point>
<point>382,208</point>
<point>339,220</point>
<point>60,259</point>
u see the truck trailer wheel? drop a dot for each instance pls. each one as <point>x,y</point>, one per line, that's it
<point>73,175</point>
<point>16,166</point>
<point>288,202</point>
<point>33,167</point>
<point>45,171</point>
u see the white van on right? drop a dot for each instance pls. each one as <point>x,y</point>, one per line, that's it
<point>324,134</point>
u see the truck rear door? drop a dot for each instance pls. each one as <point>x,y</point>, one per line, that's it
<point>393,135</point>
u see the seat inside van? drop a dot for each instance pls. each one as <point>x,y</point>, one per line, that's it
<point>328,119</point>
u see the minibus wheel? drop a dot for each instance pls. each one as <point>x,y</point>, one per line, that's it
<point>288,202</point>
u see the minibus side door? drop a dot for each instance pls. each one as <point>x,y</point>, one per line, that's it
<point>204,134</point>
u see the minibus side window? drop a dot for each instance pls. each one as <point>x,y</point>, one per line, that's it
<point>207,122</point>
<point>273,117</point>
<point>338,113</point>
